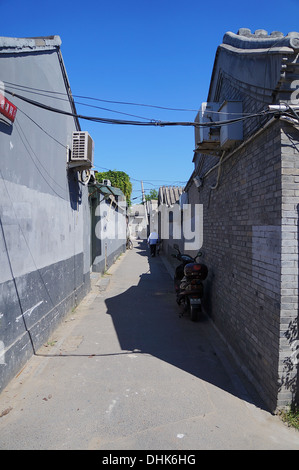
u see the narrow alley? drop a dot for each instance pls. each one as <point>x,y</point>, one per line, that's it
<point>125,372</point>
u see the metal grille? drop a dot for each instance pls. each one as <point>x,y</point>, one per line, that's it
<point>79,146</point>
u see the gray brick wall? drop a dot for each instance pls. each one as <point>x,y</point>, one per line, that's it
<point>288,373</point>
<point>251,247</point>
<point>251,244</point>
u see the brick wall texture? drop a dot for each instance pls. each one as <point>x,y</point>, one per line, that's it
<point>250,243</point>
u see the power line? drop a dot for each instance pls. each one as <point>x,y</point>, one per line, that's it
<point>42,129</point>
<point>157,123</point>
<point>145,181</point>
<point>97,166</point>
<point>46,94</point>
<point>50,94</point>
<point>40,91</point>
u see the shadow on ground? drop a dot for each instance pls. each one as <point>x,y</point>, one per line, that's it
<point>146,320</point>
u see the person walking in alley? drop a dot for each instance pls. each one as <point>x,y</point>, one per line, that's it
<point>152,242</point>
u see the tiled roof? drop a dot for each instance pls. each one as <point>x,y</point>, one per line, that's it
<point>260,39</point>
<point>259,63</point>
<point>106,190</point>
<point>169,195</point>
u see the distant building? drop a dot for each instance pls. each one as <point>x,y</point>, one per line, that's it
<point>169,211</point>
<point>152,211</point>
<point>108,225</point>
<point>138,221</point>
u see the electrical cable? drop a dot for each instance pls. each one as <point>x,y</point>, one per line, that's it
<point>84,104</point>
<point>161,123</point>
<point>215,186</point>
<point>15,281</point>
<point>50,94</point>
<point>40,168</point>
<point>246,142</point>
<point>64,146</point>
<point>42,129</point>
<point>34,90</point>
<point>138,123</point>
<point>292,110</point>
<point>145,181</point>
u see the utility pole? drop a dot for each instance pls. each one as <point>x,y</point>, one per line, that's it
<point>144,203</point>
<point>143,195</point>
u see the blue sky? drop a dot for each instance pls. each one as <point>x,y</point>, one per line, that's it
<point>158,53</point>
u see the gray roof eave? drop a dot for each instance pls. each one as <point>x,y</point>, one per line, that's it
<point>261,40</point>
<point>16,45</point>
<point>245,45</point>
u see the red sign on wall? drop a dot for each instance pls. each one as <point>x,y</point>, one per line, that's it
<point>8,109</point>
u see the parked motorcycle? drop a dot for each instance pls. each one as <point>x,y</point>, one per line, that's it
<point>188,282</point>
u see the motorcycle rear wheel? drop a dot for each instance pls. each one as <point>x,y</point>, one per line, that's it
<point>194,312</point>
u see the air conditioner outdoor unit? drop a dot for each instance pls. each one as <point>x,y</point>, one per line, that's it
<point>82,150</point>
<point>107,182</point>
<point>231,133</point>
<point>207,134</point>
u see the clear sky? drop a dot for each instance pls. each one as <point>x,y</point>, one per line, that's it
<point>158,53</point>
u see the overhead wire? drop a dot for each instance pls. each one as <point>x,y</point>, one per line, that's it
<point>138,123</point>
<point>114,121</point>
<point>39,166</point>
<point>83,104</point>
<point>52,93</point>
<point>125,122</point>
<point>23,312</point>
<point>12,270</point>
<point>41,128</point>
<point>64,146</point>
<point>38,91</point>
<point>144,181</point>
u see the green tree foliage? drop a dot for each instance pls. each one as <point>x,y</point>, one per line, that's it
<point>153,194</point>
<point>119,179</point>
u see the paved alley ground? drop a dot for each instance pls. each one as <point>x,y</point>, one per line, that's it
<point>125,372</point>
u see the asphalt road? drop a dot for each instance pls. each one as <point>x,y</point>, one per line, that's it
<point>125,372</point>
